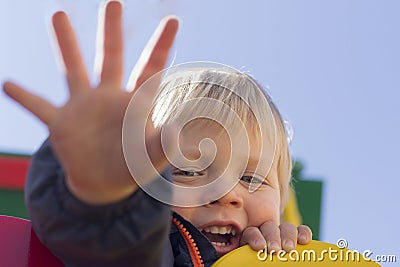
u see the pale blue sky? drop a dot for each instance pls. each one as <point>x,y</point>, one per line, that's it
<point>332,67</point>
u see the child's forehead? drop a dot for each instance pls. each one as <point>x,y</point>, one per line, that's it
<point>199,129</point>
<point>232,130</point>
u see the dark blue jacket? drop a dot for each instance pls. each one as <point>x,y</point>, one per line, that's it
<point>132,232</point>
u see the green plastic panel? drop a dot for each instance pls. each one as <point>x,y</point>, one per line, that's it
<point>12,203</point>
<point>309,199</point>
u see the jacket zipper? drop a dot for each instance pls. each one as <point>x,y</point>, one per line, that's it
<point>193,249</point>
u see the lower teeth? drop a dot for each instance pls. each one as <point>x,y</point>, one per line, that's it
<point>220,244</point>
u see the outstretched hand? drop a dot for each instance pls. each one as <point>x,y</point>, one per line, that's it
<point>86,132</point>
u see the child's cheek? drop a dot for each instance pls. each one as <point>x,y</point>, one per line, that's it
<point>261,210</point>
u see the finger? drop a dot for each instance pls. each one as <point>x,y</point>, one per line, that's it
<point>305,234</point>
<point>158,151</point>
<point>111,72</point>
<point>288,236</point>
<point>271,233</point>
<point>77,77</point>
<point>155,55</point>
<point>253,237</point>
<point>41,108</point>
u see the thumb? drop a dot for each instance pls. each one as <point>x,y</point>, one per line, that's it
<point>163,146</point>
<point>253,237</point>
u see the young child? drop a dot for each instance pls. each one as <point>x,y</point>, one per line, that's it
<point>82,200</point>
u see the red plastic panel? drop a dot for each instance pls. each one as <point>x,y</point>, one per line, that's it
<point>13,171</point>
<point>20,247</point>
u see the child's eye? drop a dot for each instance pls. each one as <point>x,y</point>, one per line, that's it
<point>249,179</point>
<point>185,173</point>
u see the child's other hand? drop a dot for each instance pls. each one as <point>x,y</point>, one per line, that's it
<point>86,133</point>
<point>284,236</point>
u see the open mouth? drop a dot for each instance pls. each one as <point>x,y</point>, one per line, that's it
<point>223,238</point>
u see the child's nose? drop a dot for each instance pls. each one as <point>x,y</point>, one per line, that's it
<point>232,198</point>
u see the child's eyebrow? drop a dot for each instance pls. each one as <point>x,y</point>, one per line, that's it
<point>254,162</point>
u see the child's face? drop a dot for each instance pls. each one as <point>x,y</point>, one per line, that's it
<point>237,209</point>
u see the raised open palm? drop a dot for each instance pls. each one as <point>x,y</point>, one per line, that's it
<point>86,132</point>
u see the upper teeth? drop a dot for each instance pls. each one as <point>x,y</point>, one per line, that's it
<point>220,230</point>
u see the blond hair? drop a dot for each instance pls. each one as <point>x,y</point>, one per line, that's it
<point>235,89</point>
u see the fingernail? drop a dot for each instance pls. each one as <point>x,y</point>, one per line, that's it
<point>274,246</point>
<point>259,243</point>
<point>302,237</point>
<point>288,244</point>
